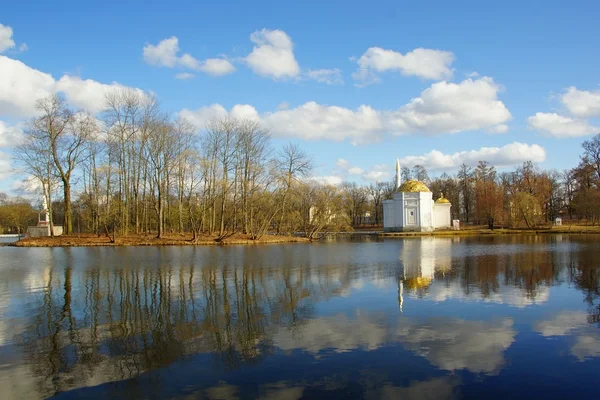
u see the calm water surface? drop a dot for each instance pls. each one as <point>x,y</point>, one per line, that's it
<point>499,317</point>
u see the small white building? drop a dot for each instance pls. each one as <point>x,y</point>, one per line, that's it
<point>412,208</point>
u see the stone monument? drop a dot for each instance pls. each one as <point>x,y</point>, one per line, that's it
<point>43,226</point>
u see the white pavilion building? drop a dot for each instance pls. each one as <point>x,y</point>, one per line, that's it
<point>412,208</point>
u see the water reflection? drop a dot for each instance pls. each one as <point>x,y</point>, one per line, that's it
<point>393,319</point>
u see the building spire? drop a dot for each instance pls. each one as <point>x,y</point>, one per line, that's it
<point>398,174</point>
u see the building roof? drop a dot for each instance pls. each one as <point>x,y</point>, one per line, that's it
<point>442,200</point>
<point>413,186</point>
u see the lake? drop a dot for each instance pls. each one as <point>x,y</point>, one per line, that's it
<point>473,317</point>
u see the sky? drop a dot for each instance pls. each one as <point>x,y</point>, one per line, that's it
<point>356,84</point>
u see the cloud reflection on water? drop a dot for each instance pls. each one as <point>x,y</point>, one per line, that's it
<point>82,317</point>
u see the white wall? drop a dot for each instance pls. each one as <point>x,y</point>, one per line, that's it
<point>399,207</point>
<point>394,212</point>
<point>388,215</point>
<point>441,215</point>
<point>43,231</point>
<point>426,211</point>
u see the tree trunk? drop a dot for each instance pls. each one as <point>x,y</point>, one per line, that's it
<point>160,215</point>
<point>68,222</point>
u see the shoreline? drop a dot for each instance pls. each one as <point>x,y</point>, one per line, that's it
<point>139,240</point>
<point>580,230</point>
<point>86,240</point>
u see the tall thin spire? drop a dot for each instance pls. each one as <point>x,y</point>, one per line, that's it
<point>398,174</point>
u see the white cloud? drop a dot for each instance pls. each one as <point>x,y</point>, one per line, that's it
<point>272,55</point>
<point>379,172</point>
<point>355,171</point>
<point>201,116</point>
<point>344,164</point>
<point>454,344</point>
<point>315,121</point>
<point>553,124</point>
<point>585,339</point>
<point>327,179</point>
<point>513,296</point>
<point>442,108</point>
<point>450,344</point>
<point>5,165</point>
<point>184,75</point>
<point>448,107</point>
<point>6,40</point>
<point>423,63</point>
<point>308,121</point>
<point>87,94</point>
<point>9,135</point>
<point>166,54</point>
<point>502,128</point>
<point>511,154</point>
<point>582,103</point>
<point>29,186</point>
<point>327,76</point>
<point>562,324</point>
<point>20,87</point>
<point>216,67</point>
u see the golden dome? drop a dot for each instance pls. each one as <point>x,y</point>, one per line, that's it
<point>417,283</point>
<point>442,200</point>
<point>413,186</point>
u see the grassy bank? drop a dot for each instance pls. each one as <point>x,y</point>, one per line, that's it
<point>151,240</point>
<point>186,239</point>
<point>479,231</point>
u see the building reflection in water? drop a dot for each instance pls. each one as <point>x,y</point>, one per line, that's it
<point>101,315</point>
<point>421,258</point>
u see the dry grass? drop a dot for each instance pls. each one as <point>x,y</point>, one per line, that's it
<point>151,240</point>
<point>186,239</point>
<point>480,230</point>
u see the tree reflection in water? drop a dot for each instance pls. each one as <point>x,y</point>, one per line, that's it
<point>102,322</point>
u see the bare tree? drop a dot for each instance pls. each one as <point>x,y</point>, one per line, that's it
<point>420,173</point>
<point>292,163</point>
<point>465,183</point>
<point>377,193</point>
<point>225,134</point>
<point>162,153</point>
<point>35,158</point>
<point>252,158</point>
<point>64,134</point>
<point>592,153</point>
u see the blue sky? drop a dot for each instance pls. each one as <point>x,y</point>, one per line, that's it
<point>483,72</point>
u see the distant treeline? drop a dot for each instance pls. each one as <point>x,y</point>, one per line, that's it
<point>136,169</point>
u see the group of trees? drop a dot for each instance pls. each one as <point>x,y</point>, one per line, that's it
<point>15,214</point>
<point>135,169</point>
<point>524,197</point>
<point>527,196</point>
